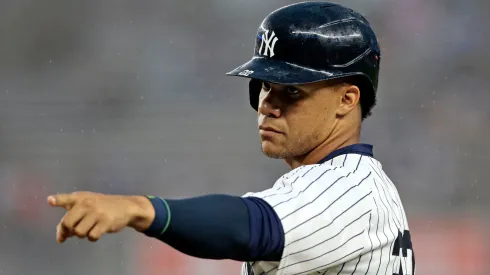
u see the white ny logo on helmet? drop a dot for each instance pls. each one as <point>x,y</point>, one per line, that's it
<point>269,47</point>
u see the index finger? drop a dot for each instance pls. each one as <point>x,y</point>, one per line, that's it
<point>62,200</point>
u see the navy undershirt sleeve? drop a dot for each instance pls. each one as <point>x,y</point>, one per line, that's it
<point>266,232</point>
<point>219,227</point>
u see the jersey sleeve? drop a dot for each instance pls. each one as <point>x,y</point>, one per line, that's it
<point>325,217</point>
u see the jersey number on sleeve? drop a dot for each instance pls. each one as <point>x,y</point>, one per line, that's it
<point>405,257</point>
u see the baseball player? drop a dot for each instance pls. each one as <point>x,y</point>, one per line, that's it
<point>313,80</point>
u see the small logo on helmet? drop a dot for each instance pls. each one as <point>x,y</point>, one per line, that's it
<point>246,72</point>
<point>270,43</point>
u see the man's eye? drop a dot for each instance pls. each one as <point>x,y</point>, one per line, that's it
<point>292,91</point>
<point>266,86</point>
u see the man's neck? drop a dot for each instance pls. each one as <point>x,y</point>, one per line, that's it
<point>337,140</point>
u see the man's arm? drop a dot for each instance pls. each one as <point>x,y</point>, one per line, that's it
<point>218,227</point>
<point>210,227</point>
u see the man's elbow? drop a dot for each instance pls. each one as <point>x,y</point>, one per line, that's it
<point>240,247</point>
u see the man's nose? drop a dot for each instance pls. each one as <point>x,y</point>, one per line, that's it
<point>269,104</point>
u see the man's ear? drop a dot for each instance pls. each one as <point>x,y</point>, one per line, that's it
<point>349,99</point>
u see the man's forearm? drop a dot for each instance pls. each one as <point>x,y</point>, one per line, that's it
<point>215,227</point>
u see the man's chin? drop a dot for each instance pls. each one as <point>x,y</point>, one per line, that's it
<point>273,155</point>
<point>274,152</point>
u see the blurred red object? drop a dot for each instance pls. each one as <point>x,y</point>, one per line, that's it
<point>29,193</point>
<point>156,258</point>
<point>450,246</point>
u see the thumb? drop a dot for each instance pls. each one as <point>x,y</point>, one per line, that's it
<point>62,200</point>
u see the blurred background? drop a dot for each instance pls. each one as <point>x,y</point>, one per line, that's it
<point>131,97</point>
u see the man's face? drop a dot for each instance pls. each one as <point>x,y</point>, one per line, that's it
<point>293,120</point>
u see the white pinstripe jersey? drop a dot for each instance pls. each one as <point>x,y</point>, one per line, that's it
<point>343,216</point>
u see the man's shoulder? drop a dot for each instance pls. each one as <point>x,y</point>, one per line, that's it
<point>345,170</point>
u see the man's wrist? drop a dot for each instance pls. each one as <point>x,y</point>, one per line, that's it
<point>161,218</point>
<point>142,213</point>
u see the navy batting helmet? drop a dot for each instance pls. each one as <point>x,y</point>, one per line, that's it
<point>313,41</point>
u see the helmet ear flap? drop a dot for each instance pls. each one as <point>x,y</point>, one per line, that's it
<point>254,88</point>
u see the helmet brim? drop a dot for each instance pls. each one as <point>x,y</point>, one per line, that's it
<point>280,72</point>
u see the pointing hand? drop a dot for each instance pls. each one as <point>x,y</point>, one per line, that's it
<point>90,215</point>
